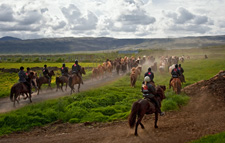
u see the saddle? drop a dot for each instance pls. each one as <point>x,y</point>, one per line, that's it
<point>152,106</point>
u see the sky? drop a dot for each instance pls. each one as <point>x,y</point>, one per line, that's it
<point>34,19</point>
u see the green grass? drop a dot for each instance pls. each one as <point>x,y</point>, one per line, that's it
<point>105,104</point>
<point>217,138</point>
<point>25,65</point>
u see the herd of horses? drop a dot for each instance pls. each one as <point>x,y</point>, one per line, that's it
<point>139,108</point>
<point>36,82</point>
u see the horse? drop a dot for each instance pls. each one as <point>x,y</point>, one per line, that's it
<point>95,73</point>
<point>20,88</point>
<point>44,80</point>
<point>176,84</point>
<point>144,106</point>
<point>61,80</point>
<point>74,79</point>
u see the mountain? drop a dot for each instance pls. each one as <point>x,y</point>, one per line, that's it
<point>73,45</point>
<point>8,38</point>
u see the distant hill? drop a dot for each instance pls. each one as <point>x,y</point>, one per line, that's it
<point>8,38</point>
<point>73,45</point>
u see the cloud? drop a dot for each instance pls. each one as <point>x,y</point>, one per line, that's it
<point>59,25</point>
<point>201,19</point>
<point>6,14</point>
<point>129,16</point>
<point>190,28</point>
<point>79,21</point>
<point>7,27</point>
<point>30,17</point>
<point>185,21</point>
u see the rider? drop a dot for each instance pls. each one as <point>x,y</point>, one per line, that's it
<point>23,79</point>
<point>64,70</point>
<point>149,92</point>
<point>150,74</point>
<point>181,71</point>
<point>175,74</point>
<point>76,69</point>
<point>28,71</point>
<point>45,73</point>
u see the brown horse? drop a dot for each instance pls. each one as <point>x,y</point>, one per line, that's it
<point>44,80</point>
<point>74,79</point>
<point>61,80</point>
<point>20,88</point>
<point>143,106</point>
<point>176,84</point>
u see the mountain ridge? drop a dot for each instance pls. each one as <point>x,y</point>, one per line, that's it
<point>94,44</point>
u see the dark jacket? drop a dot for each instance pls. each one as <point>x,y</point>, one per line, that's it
<point>45,71</point>
<point>148,90</point>
<point>175,73</point>
<point>181,69</point>
<point>22,76</point>
<point>76,68</point>
<point>64,70</point>
<point>150,74</point>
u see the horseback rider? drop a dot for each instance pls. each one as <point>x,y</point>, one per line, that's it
<point>64,70</point>
<point>150,74</point>
<point>76,69</point>
<point>149,92</point>
<point>175,74</point>
<point>23,79</point>
<point>181,71</point>
<point>28,71</point>
<point>46,72</point>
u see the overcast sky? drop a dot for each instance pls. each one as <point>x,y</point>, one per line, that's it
<point>29,19</point>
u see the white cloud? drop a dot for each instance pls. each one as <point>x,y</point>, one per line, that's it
<point>6,14</point>
<point>111,18</point>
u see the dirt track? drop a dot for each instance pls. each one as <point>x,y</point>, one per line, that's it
<point>202,116</point>
<point>6,105</point>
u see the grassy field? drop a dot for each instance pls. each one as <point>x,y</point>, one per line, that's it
<point>108,103</point>
<point>217,138</point>
<point>105,104</point>
<point>25,65</point>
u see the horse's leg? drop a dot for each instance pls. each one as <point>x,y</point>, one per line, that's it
<point>78,87</point>
<point>156,119</point>
<point>138,122</point>
<point>142,126</point>
<point>30,98</point>
<point>62,87</point>
<point>66,86</point>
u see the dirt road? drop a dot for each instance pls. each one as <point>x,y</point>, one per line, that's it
<point>6,104</point>
<point>203,115</point>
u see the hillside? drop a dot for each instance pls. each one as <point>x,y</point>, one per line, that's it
<point>72,45</point>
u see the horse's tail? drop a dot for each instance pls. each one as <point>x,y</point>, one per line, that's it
<point>134,112</point>
<point>11,94</point>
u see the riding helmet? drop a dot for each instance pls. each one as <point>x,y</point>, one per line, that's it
<point>76,61</point>
<point>147,79</point>
<point>63,64</point>
<point>176,66</point>
<point>149,69</point>
<point>21,68</point>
